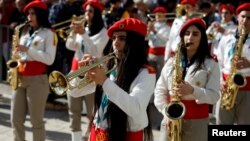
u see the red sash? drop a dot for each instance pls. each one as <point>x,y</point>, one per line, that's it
<point>102,135</point>
<point>194,110</point>
<point>156,51</point>
<point>31,68</point>
<point>74,65</point>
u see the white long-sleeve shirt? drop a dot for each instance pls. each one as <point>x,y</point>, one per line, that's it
<point>206,83</point>
<point>160,38</point>
<point>224,57</point>
<point>83,44</point>
<point>42,47</point>
<point>134,103</point>
<point>230,28</point>
<point>93,45</point>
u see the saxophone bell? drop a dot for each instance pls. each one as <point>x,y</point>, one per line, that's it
<point>12,64</point>
<point>175,110</point>
<point>239,79</point>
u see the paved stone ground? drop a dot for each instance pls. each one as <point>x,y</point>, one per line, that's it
<point>57,121</point>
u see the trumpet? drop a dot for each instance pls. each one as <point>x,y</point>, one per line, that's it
<point>60,83</point>
<point>182,11</point>
<point>164,16</point>
<point>63,28</point>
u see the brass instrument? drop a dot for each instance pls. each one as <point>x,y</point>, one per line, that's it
<point>167,16</point>
<point>175,109</point>
<point>60,83</point>
<point>62,30</point>
<point>181,11</point>
<point>13,63</point>
<point>197,15</point>
<point>211,33</point>
<point>235,80</point>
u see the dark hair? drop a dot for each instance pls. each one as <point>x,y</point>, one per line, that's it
<point>97,22</point>
<point>128,69</point>
<point>42,17</point>
<point>202,52</point>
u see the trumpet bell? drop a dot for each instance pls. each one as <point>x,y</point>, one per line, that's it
<point>181,10</point>
<point>58,83</point>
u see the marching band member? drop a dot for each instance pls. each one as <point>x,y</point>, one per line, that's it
<point>227,26</point>
<point>158,32</point>
<point>219,29</point>
<point>60,12</point>
<point>38,47</point>
<point>200,86</point>
<point>90,40</point>
<point>122,99</point>
<point>239,114</point>
<point>174,38</point>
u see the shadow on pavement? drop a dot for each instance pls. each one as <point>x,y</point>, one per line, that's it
<point>57,136</point>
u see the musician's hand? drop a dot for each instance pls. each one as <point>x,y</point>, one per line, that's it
<point>217,27</point>
<point>97,74</point>
<point>223,87</point>
<point>151,26</point>
<point>77,28</point>
<point>13,25</point>
<point>21,48</point>
<point>242,63</point>
<point>86,60</point>
<point>184,89</point>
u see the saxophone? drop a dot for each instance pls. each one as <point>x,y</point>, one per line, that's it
<point>13,63</point>
<point>235,80</point>
<point>175,109</point>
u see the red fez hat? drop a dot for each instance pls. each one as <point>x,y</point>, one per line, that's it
<point>94,3</point>
<point>160,9</point>
<point>227,7</point>
<point>35,3</point>
<point>193,21</point>
<point>128,24</point>
<point>244,6</point>
<point>191,2</point>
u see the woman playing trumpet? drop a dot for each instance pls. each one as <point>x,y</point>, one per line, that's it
<point>217,30</point>
<point>122,99</point>
<point>200,86</point>
<point>88,36</point>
